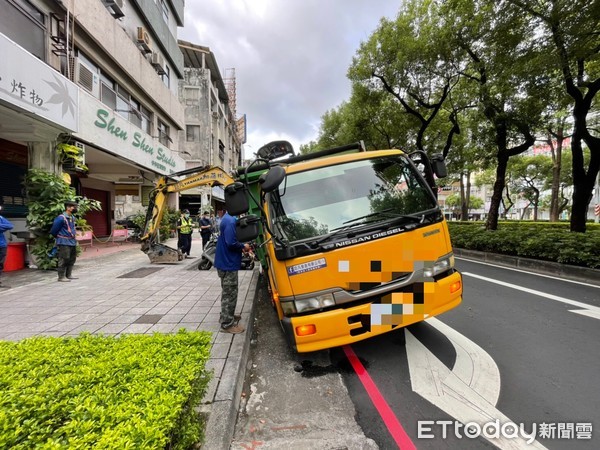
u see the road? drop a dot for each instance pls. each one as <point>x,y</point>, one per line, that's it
<point>530,351</point>
<point>520,349</point>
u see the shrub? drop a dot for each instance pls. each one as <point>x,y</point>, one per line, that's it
<point>538,240</point>
<point>133,391</point>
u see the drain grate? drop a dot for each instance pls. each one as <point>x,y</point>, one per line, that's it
<point>149,318</point>
<point>141,273</point>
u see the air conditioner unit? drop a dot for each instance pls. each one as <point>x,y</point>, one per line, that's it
<point>86,78</point>
<point>116,7</point>
<point>158,63</point>
<point>143,39</point>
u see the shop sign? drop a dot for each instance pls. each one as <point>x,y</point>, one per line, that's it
<point>35,87</point>
<point>161,158</point>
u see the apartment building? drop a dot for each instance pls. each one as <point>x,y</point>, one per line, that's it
<point>211,135</point>
<point>101,76</point>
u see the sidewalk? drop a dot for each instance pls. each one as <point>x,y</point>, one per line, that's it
<point>119,291</point>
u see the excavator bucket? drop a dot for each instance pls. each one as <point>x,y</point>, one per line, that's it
<point>159,253</point>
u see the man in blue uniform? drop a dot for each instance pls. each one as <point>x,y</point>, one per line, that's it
<point>228,261</point>
<point>205,228</point>
<point>5,225</point>
<point>63,230</point>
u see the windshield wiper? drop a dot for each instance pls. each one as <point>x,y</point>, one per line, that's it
<point>387,212</point>
<point>340,230</point>
<point>334,232</point>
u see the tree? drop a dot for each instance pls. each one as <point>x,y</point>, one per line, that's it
<point>571,28</point>
<point>455,202</point>
<point>510,92</point>
<point>529,176</point>
<point>411,60</point>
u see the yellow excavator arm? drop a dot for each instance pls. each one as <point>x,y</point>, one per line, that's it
<point>200,176</point>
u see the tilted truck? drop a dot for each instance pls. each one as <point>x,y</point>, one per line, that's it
<point>352,244</point>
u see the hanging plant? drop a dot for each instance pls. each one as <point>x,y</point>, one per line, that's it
<point>71,157</point>
<point>46,194</point>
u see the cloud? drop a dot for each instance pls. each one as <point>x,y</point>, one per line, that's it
<point>290,57</point>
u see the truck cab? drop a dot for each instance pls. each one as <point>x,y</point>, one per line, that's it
<point>352,243</point>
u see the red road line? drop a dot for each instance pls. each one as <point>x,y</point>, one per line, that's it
<point>384,410</point>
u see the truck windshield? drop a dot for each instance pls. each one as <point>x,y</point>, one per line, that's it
<point>316,202</point>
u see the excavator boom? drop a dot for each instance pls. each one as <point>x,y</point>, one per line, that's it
<point>200,176</point>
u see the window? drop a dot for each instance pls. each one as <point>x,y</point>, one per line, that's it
<point>165,11</point>
<point>146,120</point>
<point>192,96</point>
<point>318,201</point>
<point>192,133</point>
<point>166,77</point>
<point>221,151</point>
<point>123,100</point>
<point>163,133</point>
<point>108,94</point>
<point>124,104</point>
<point>26,25</point>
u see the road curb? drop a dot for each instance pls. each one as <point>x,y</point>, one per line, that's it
<point>222,412</point>
<point>583,274</point>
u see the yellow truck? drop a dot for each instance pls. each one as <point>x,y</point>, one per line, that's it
<point>352,243</point>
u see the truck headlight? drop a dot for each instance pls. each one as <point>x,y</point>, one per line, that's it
<point>308,304</point>
<point>443,264</point>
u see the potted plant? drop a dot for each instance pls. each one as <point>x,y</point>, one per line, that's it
<point>72,158</point>
<point>46,194</point>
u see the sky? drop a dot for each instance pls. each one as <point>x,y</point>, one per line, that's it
<point>290,57</point>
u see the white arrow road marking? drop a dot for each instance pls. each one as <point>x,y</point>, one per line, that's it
<point>474,366</point>
<point>433,381</point>
<point>588,310</point>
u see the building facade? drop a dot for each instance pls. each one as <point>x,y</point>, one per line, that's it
<point>99,75</point>
<point>211,136</point>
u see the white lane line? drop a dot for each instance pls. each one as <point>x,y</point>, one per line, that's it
<point>433,381</point>
<point>553,277</point>
<point>586,312</point>
<point>534,292</point>
<point>474,366</point>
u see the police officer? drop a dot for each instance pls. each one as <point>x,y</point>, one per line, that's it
<point>184,228</point>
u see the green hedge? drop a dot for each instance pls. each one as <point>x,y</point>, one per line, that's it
<point>133,391</point>
<point>546,241</point>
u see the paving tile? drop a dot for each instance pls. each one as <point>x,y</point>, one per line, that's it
<point>112,328</point>
<point>137,328</point>
<point>171,318</point>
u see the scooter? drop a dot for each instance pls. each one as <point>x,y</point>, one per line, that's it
<point>207,259</point>
<point>208,255</point>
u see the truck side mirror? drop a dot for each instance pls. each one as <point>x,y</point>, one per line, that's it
<point>438,165</point>
<point>246,228</point>
<point>236,199</point>
<point>272,179</point>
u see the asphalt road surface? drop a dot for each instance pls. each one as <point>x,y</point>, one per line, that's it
<point>522,350</point>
